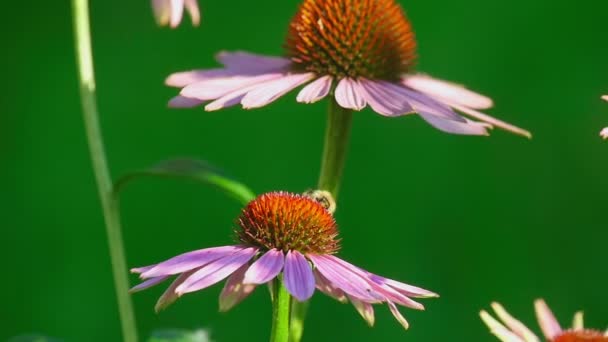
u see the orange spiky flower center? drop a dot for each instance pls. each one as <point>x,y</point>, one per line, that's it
<point>286,222</point>
<point>581,336</point>
<point>352,38</point>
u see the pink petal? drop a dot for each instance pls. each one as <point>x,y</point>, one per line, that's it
<point>516,326</point>
<point>214,88</point>
<point>190,260</point>
<point>316,90</point>
<point>604,133</point>
<point>242,60</point>
<point>398,315</point>
<point>326,287</point>
<point>405,289</point>
<point>170,296</point>
<point>235,290</point>
<point>605,97</point>
<point>546,320</point>
<point>384,100</point>
<point>182,79</point>
<point>499,330</point>
<point>177,11</point>
<point>148,283</point>
<point>447,91</point>
<point>455,127</point>
<point>492,121</point>
<point>266,268</point>
<point>340,278</point>
<point>184,102</point>
<point>269,92</point>
<point>231,99</point>
<point>162,11</point>
<point>348,94</point>
<point>216,271</point>
<point>364,309</point>
<point>298,276</point>
<point>192,8</point>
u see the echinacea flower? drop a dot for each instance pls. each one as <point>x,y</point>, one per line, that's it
<point>604,132</point>
<point>170,12</point>
<point>358,52</point>
<point>512,330</point>
<point>281,234</point>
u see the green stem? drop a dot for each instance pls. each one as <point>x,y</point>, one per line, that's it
<point>80,9</point>
<point>280,313</point>
<point>337,137</point>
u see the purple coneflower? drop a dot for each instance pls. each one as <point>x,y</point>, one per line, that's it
<point>281,235</point>
<point>170,12</point>
<point>359,52</point>
<point>514,331</point>
<point>604,132</point>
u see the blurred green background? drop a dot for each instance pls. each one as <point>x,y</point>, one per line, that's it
<point>475,219</point>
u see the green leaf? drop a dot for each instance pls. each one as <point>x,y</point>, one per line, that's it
<point>176,335</point>
<point>192,169</point>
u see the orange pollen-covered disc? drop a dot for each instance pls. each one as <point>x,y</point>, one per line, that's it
<point>581,336</point>
<point>352,38</point>
<point>286,222</point>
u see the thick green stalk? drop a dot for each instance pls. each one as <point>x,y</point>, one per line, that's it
<point>80,9</point>
<point>280,313</point>
<point>337,137</point>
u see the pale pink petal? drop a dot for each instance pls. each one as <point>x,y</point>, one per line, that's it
<point>326,287</point>
<point>242,60</point>
<point>578,322</point>
<point>454,127</point>
<point>170,296</point>
<point>364,309</point>
<point>177,12</point>
<point>298,276</point>
<point>184,102</point>
<point>604,133</point>
<point>214,88</point>
<point>447,91</point>
<point>235,290</point>
<point>162,11</point>
<point>499,330</point>
<point>192,8</point>
<point>216,271</point>
<point>231,99</point>
<point>348,94</point>
<point>405,289</point>
<point>492,121</point>
<point>398,315</point>
<point>142,269</point>
<point>266,268</point>
<point>546,320</point>
<point>384,100</point>
<point>148,283</point>
<point>605,97</point>
<point>270,91</point>
<point>516,326</point>
<point>316,90</point>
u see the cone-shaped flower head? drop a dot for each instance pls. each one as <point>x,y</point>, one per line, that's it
<point>360,52</point>
<point>171,12</point>
<point>512,330</point>
<point>288,234</point>
<point>604,132</point>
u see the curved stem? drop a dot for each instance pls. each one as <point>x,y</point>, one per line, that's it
<point>80,10</point>
<point>337,137</point>
<point>280,313</point>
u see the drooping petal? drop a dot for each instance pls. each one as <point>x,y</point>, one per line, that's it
<point>578,322</point>
<point>270,91</point>
<point>162,11</point>
<point>349,282</point>
<point>245,61</point>
<point>183,78</point>
<point>192,8</point>
<point>398,315</point>
<point>184,102</point>
<point>604,133</point>
<point>177,12</point>
<point>515,325</point>
<point>190,260</point>
<point>455,127</point>
<point>384,100</point>
<point>214,88</point>
<point>492,121</point>
<point>266,268</point>
<point>447,91</point>
<point>605,97</point>
<point>326,287</point>
<point>546,320</point>
<point>170,296</point>
<point>405,289</point>
<point>235,290</point>
<point>364,309</point>
<point>499,330</point>
<point>316,90</point>
<point>348,94</point>
<point>148,283</point>
<point>298,276</point>
<point>216,271</point>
